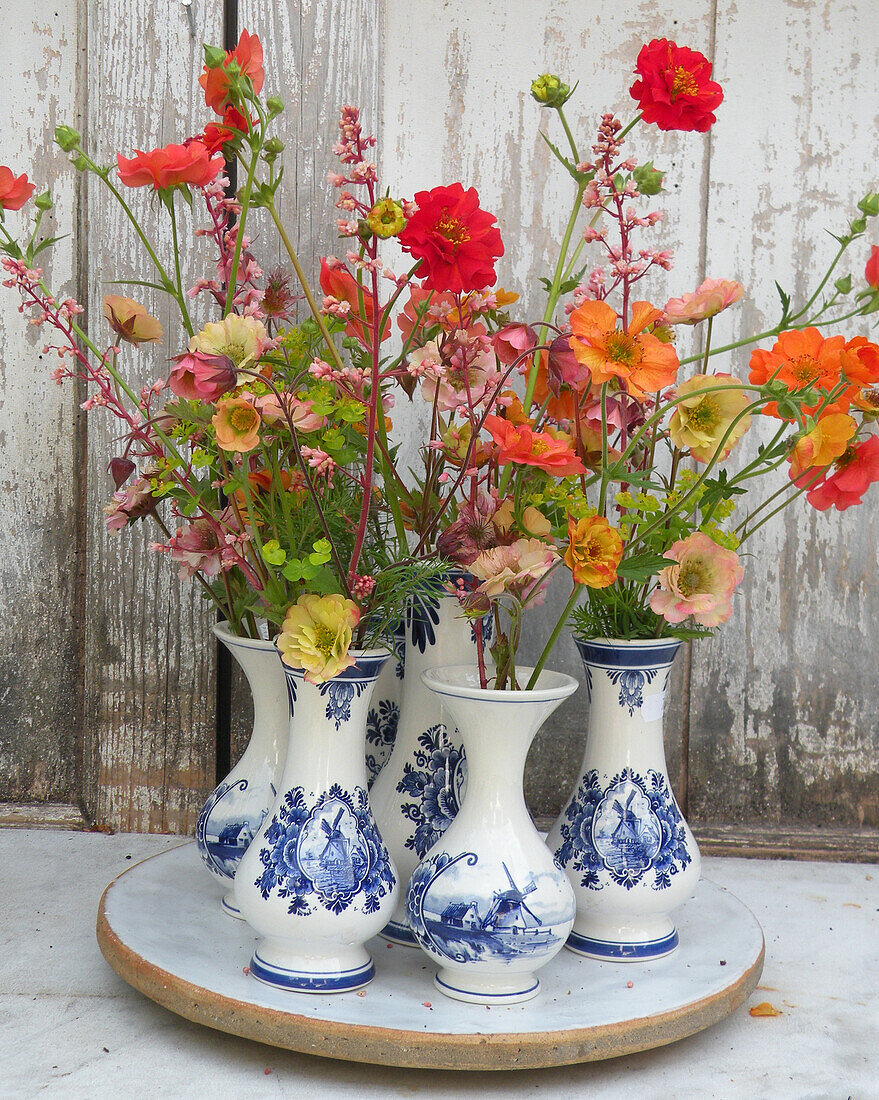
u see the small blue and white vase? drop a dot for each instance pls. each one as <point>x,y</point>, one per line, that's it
<point>384,712</point>
<point>233,813</point>
<point>488,903</point>
<point>419,790</point>
<point>317,882</point>
<point>622,839</point>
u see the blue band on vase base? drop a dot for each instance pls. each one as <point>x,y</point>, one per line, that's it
<point>610,949</point>
<point>398,933</point>
<point>303,982</point>
<point>482,995</point>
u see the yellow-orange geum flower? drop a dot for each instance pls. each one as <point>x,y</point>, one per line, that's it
<point>705,414</point>
<point>640,361</point>
<point>236,423</point>
<point>823,444</point>
<point>594,551</point>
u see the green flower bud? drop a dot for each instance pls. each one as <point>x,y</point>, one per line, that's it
<point>870,204</point>
<point>858,225</point>
<point>214,56</point>
<point>549,91</point>
<point>844,285</point>
<point>275,105</point>
<point>648,179</point>
<point>67,138</point>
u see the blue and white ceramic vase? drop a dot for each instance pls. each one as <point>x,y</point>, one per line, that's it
<point>488,903</point>
<point>627,849</point>
<point>417,793</point>
<point>233,813</point>
<point>317,882</point>
<point>384,711</point>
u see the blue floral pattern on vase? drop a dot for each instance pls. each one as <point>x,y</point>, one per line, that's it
<point>631,681</point>
<point>423,616</point>
<point>340,693</point>
<point>222,841</point>
<point>498,926</point>
<point>381,730</point>
<point>630,828</point>
<point>436,781</point>
<point>325,855</point>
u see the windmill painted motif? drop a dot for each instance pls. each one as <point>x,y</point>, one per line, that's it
<point>335,859</point>
<point>634,838</point>
<point>509,912</point>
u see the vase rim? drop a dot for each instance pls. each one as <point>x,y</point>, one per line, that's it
<point>226,635</point>
<point>629,643</point>
<point>379,653</point>
<point>452,680</point>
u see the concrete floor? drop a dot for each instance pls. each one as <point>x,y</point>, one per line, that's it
<point>70,1028</point>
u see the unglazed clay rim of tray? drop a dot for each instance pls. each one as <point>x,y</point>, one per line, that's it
<point>415,1049</point>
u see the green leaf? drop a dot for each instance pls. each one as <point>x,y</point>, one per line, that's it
<point>642,567</point>
<point>785,303</point>
<point>292,571</point>
<point>273,553</point>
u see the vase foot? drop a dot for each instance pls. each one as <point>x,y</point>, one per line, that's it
<point>617,951</point>
<point>485,991</point>
<point>227,904</point>
<point>313,975</point>
<point>401,934</point>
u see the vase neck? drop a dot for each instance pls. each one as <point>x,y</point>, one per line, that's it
<point>261,665</point>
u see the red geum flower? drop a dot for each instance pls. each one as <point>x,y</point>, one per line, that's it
<point>171,166</point>
<point>457,242</point>
<point>529,448</point>
<point>675,90</point>
<point>14,190</point>
<point>871,271</point>
<point>337,282</point>
<point>215,135</point>
<point>196,376</point>
<point>216,82</point>
<point>854,472</point>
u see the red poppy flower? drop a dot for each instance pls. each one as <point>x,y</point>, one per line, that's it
<point>675,90</point>
<point>14,191</point>
<point>871,271</point>
<point>457,242</point>
<point>339,283</point>
<point>248,56</point>
<point>855,471</point>
<point>172,166</point>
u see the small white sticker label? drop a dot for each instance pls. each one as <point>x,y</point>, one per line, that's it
<point>653,707</point>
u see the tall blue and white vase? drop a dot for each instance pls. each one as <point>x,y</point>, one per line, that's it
<point>418,792</point>
<point>384,711</point>
<point>317,882</point>
<point>488,903</point>
<point>233,813</point>
<point>622,839</point>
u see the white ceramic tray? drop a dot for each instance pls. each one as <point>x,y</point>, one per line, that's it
<point>161,928</point>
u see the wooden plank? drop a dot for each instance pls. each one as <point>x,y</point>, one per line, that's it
<point>149,652</point>
<point>764,841</point>
<point>785,713</point>
<point>38,442</point>
<point>41,815</point>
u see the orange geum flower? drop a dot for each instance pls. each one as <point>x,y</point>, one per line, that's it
<point>799,359</point>
<point>553,454</point>
<point>236,423</point>
<point>860,361</point>
<point>823,444</point>
<point>595,549</point>
<point>642,363</point>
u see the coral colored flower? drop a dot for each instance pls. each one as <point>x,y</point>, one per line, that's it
<point>871,271</point>
<point>197,376</point>
<point>236,423</point>
<point>128,505</point>
<point>216,82</point>
<point>708,300</point>
<point>595,549</point>
<point>637,358</point>
<point>130,320</point>
<point>529,448</point>
<point>702,419</point>
<point>289,410</point>
<point>336,281</point>
<point>827,441</point>
<point>860,361</point>
<point>855,471</point>
<point>243,339</point>
<point>799,359</point>
<point>14,190</point>
<point>516,569</point>
<point>457,242</point>
<point>201,546</point>
<point>316,636</point>
<point>171,166</point>
<point>512,341</point>
<point>700,585</point>
<point>675,91</point>
<point>215,135</point>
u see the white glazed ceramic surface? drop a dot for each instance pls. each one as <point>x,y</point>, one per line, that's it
<point>628,852</point>
<point>233,813</point>
<point>418,791</point>
<point>317,882</point>
<point>383,716</point>
<point>488,903</point>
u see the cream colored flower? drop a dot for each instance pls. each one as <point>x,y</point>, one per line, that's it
<point>317,635</point>
<point>701,420</point>
<point>130,320</point>
<point>241,338</point>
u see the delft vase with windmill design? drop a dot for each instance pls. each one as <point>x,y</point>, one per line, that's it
<point>233,813</point>
<point>317,881</point>
<point>488,903</point>
<point>418,792</point>
<point>629,853</point>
